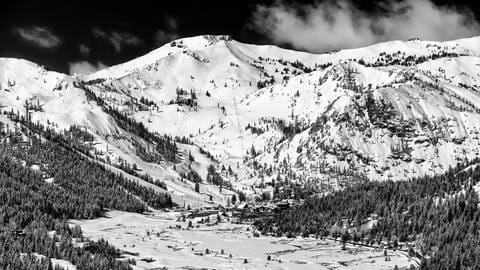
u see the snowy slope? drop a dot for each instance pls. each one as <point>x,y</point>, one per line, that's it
<point>403,124</point>
<point>61,105</point>
<point>393,110</point>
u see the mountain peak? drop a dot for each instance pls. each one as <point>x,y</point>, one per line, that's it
<point>197,42</point>
<point>217,91</point>
<point>217,38</point>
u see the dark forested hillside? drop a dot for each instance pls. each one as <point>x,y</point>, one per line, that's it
<point>42,185</point>
<point>436,218</point>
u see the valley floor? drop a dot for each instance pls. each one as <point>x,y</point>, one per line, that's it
<point>155,241</point>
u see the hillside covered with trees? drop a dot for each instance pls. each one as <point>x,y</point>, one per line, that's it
<point>434,218</point>
<point>42,185</point>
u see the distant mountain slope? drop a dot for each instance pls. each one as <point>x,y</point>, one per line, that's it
<point>393,110</point>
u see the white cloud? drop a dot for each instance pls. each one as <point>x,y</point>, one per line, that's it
<point>328,25</point>
<point>84,67</point>
<point>40,36</point>
<point>119,40</point>
<point>169,33</point>
<point>84,50</point>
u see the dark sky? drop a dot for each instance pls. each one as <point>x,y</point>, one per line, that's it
<point>115,31</point>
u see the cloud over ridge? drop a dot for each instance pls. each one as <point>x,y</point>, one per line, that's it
<point>119,40</point>
<point>84,67</point>
<point>333,25</point>
<point>168,33</point>
<point>38,35</point>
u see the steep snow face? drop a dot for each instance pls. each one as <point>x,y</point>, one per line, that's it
<point>460,71</point>
<point>52,94</point>
<point>410,127</point>
<point>381,53</point>
<point>219,72</point>
<point>210,74</point>
<point>351,122</point>
<point>393,110</point>
<point>55,101</point>
<point>207,44</point>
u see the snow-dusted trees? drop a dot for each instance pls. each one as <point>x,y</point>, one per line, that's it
<point>427,212</point>
<point>197,187</point>
<point>32,206</point>
<point>184,97</point>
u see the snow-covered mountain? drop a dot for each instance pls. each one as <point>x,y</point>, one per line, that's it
<point>394,110</point>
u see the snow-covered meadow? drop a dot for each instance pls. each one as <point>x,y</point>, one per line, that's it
<point>156,241</point>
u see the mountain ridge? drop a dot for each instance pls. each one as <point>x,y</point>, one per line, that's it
<point>268,113</point>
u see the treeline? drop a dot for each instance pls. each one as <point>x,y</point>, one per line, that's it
<point>400,58</point>
<point>164,145</point>
<point>77,173</point>
<point>76,138</point>
<point>436,217</point>
<point>43,183</point>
